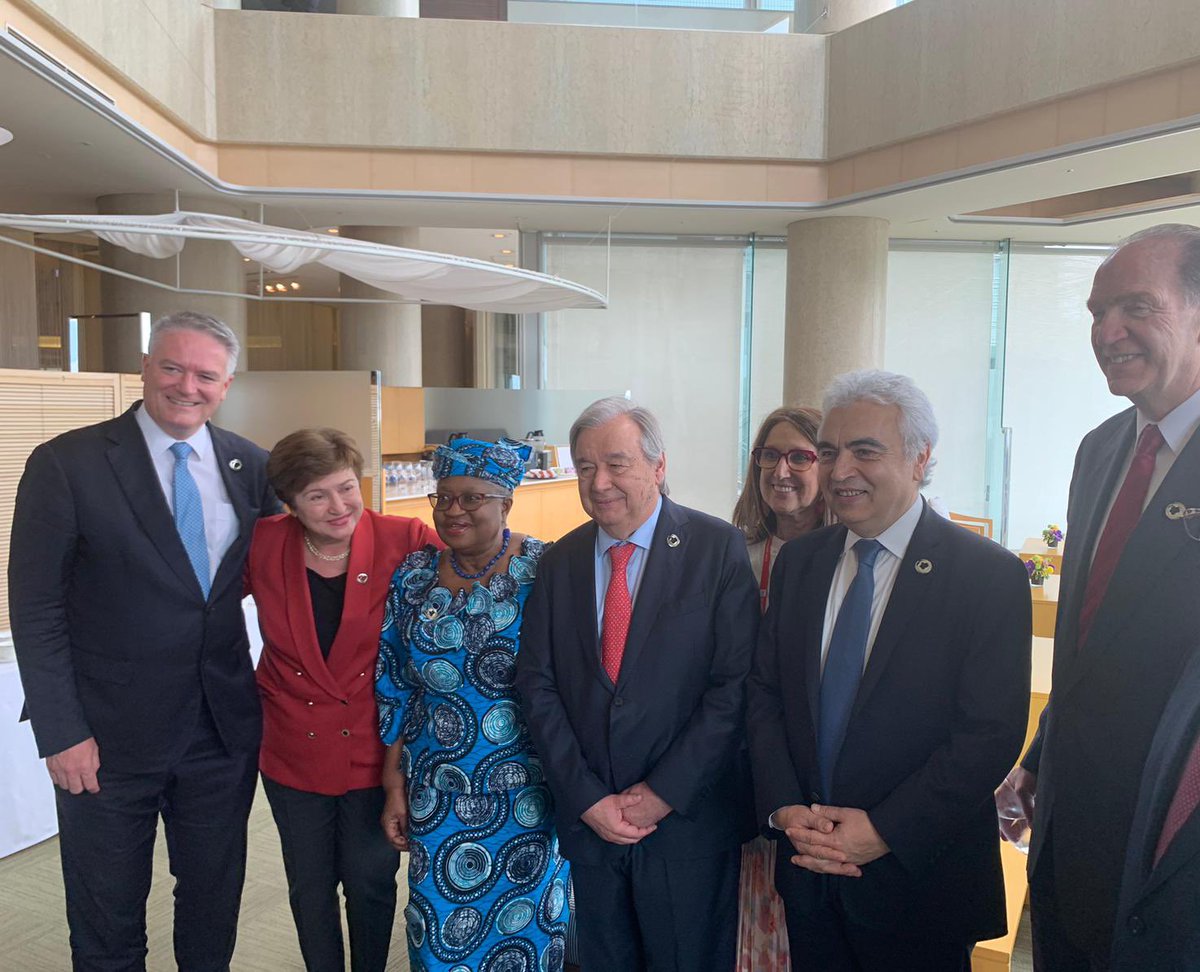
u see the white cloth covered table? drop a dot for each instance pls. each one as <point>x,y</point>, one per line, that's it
<point>27,813</point>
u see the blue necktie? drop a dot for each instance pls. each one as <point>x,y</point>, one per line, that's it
<point>189,516</point>
<point>844,662</point>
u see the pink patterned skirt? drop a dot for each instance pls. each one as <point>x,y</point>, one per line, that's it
<point>762,933</point>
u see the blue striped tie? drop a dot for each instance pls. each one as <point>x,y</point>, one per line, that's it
<point>189,516</point>
<point>844,662</point>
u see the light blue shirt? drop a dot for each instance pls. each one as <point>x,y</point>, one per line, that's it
<point>220,519</point>
<point>641,538</point>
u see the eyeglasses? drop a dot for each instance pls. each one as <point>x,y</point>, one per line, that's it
<point>797,459</point>
<point>467,502</point>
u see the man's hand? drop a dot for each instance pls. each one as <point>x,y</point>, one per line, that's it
<point>75,768</point>
<point>650,810</point>
<point>607,818</point>
<point>1014,803</point>
<point>809,833</point>
<point>394,818</point>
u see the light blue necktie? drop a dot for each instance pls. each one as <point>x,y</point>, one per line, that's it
<point>844,662</point>
<point>189,516</point>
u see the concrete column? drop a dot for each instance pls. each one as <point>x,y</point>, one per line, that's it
<point>380,337</point>
<point>836,300</point>
<point>203,265</point>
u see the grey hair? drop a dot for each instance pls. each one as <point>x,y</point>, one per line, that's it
<point>918,427</point>
<point>604,410</point>
<point>1188,238</point>
<point>201,324</point>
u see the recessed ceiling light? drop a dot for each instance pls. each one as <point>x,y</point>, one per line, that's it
<point>509,264</point>
<point>334,230</point>
<point>499,236</point>
<point>5,136</point>
<point>295,286</point>
<point>506,252</point>
<point>245,259</point>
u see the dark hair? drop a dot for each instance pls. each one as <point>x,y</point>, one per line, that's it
<point>752,515</point>
<point>307,455</point>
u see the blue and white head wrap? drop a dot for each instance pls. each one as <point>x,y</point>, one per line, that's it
<point>502,463</point>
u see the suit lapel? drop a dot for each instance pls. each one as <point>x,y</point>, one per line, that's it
<point>357,616</point>
<point>237,484</point>
<point>1152,553</point>
<point>582,581</point>
<point>135,472</point>
<point>818,581</point>
<point>659,578</point>
<point>910,594</point>
<point>298,601</point>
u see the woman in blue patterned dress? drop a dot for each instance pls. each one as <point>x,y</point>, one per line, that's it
<point>465,793</point>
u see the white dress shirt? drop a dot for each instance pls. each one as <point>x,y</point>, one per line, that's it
<point>895,540</point>
<point>220,519</point>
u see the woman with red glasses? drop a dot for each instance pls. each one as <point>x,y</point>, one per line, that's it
<point>780,500</point>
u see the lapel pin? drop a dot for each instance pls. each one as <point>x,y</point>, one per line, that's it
<point>923,566</point>
<point>361,578</point>
<point>672,541</point>
<point>1176,510</point>
<point>235,464</point>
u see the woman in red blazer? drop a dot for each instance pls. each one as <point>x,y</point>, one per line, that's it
<point>319,575</point>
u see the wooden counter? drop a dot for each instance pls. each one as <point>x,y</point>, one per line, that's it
<point>542,508</point>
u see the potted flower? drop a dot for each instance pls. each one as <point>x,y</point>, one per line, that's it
<point>1052,535</point>
<point>1038,568</point>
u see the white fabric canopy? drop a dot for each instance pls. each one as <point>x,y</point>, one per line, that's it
<point>414,275</point>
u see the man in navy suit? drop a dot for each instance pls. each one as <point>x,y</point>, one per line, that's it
<point>125,584</point>
<point>889,697</point>
<point>636,643</point>
<point>1128,613</point>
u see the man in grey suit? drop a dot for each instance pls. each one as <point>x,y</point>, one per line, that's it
<point>125,584</point>
<point>1128,612</point>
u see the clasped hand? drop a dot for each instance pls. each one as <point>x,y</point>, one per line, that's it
<point>627,817</point>
<point>831,840</point>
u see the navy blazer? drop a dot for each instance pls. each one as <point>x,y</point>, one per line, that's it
<point>1158,921</point>
<point>675,716</point>
<point>113,635</point>
<point>938,721</point>
<point>1107,698</point>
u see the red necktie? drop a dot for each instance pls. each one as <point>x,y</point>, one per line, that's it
<point>1122,518</point>
<point>1186,799</point>
<point>618,609</point>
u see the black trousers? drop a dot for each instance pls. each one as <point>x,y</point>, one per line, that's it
<point>332,840</point>
<point>639,912</point>
<point>1054,950</point>
<point>824,939</point>
<point>107,845</point>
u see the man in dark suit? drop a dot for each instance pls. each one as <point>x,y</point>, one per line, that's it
<point>1128,611</point>
<point>889,696</point>
<point>1156,911</point>
<point>125,584</point>
<point>635,647</point>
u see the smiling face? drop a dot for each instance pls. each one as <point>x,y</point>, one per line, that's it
<point>477,532</point>
<point>329,508</point>
<point>618,485</point>
<point>185,377</point>
<point>787,492</point>
<point>1145,335</point>
<point>864,474</point>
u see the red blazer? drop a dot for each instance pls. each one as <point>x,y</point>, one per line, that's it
<point>320,723</point>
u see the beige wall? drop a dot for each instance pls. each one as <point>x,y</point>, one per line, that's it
<point>934,64</point>
<point>290,337</point>
<point>18,305</point>
<point>164,47</point>
<point>471,85</point>
<point>446,353</point>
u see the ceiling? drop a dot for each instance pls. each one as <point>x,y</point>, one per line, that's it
<point>70,147</point>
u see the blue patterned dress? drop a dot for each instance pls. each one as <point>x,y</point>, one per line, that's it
<point>487,885</point>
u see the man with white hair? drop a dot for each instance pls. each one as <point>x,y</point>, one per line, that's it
<point>888,698</point>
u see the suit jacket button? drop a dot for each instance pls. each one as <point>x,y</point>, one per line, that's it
<point>345,701</point>
<point>345,732</point>
<point>312,735</point>
<point>1136,925</point>
<point>618,701</point>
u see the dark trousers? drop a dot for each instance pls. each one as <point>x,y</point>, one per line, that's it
<point>107,845</point>
<point>332,840</point>
<point>824,939</point>
<point>1053,947</point>
<point>639,912</point>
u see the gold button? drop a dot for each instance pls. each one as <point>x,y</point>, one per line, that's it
<point>312,735</point>
<point>345,732</point>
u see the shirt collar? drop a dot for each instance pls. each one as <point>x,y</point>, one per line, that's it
<point>894,539</point>
<point>640,537</point>
<point>1178,424</point>
<point>159,441</point>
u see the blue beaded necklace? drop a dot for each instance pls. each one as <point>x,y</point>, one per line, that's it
<point>488,566</point>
